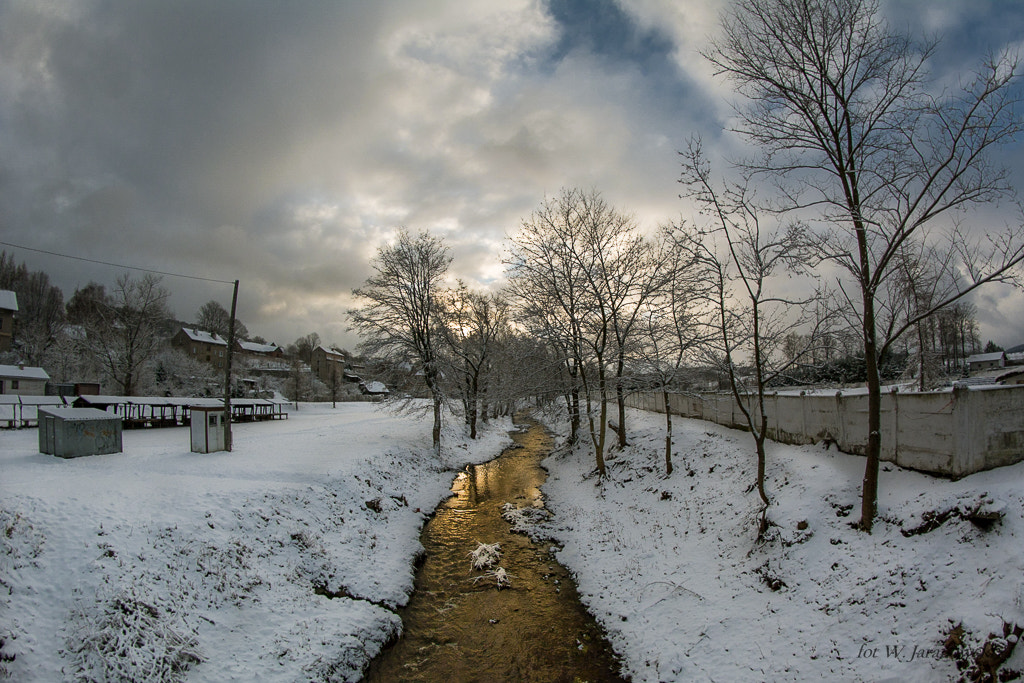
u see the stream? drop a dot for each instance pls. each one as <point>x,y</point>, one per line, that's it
<point>459,625</point>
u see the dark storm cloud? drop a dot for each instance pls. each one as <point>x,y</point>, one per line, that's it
<point>283,142</point>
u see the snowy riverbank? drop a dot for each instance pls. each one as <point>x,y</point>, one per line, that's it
<point>219,565</point>
<point>671,569</point>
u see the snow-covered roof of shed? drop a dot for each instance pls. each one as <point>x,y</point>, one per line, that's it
<point>204,336</point>
<point>21,372</point>
<point>8,300</point>
<point>79,414</point>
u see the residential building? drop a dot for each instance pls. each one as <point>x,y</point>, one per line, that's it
<point>208,347</point>
<point>8,307</point>
<point>23,381</point>
<point>986,361</point>
<point>329,363</point>
<point>256,350</point>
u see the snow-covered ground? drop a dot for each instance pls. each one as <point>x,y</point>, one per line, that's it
<point>672,569</point>
<point>219,567</point>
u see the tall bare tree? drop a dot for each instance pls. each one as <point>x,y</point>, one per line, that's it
<point>569,268</point>
<point>549,294</point>
<point>124,332</point>
<point>741,256</point>
<point>671,329</point>
<point>213,317</point>
<point>40,319</point>
<point>473,323</point>
<point>841,107</point>
<point>401,316</point>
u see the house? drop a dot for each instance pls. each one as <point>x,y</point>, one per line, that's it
<point>8,307</point>
<point>980,362</point>
<point>374,388</point>
<point>256,350</point>
<point>329,364</point>
<point>23,381</point>
<point>207,347</point>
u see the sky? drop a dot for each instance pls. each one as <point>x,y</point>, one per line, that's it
<point>282,143</point>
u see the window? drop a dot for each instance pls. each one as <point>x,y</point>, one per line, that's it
<point>15,384</point>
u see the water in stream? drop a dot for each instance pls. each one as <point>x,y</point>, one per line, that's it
<point>459,626</point>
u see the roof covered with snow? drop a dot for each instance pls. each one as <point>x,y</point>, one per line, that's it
<point>375,388</point>
<point>23,372</point>
<point>331,352</point>
<point>986,357</point>
<point>254,347</point>
<point>197,335</point>
<point>8,300</point>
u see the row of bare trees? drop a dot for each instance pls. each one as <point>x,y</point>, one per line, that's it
<point>460,343</point>
<point>860,180</point>
<point>875,162</point>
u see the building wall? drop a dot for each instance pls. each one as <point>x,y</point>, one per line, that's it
<point>6,329</point>
<point>957,433</point>
<point>323,362</point>
<point>214,354</point>
<point>22,386</point>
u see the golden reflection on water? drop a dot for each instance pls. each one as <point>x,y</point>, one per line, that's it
<point>458,626</point>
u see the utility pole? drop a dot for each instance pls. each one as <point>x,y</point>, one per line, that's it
<point>227,371</point>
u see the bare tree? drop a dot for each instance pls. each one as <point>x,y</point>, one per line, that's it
<point>401,316</point>
<point>40,319</point>
<point>671,329</point>
<point>567,268</point>
<point>633,272</point>
<point>303,347</point>
<point>472,325</point>
<point>213,317</point>
<point>124,333</point>
<point>550,297</point>
<point>839,103</point>
<point>740,256</point>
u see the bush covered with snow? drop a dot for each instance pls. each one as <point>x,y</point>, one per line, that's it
<point>128,636</point>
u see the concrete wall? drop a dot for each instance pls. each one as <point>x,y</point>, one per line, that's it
<point>953,433</point>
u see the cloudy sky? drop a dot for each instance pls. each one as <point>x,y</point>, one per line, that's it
<point>281,143</point>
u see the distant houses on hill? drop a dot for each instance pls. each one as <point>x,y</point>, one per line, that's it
<point>210,347</point>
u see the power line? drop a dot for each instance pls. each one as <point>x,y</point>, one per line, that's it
<point>116,265</point>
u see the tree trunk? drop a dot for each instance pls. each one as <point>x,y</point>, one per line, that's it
<point>869,495</point>
<point>620,398</point>
<point>574,415</point>
<point>437,426</point>
<point>761,460</point>
<point>668,436</point>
